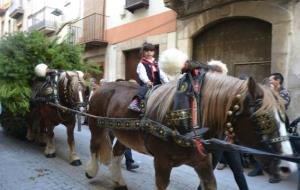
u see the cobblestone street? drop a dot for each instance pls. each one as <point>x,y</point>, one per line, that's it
<point>24,167</point>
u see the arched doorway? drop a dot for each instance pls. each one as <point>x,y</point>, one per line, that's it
<point>244,44</point>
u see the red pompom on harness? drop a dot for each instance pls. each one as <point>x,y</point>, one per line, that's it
<point>200,147</point>
<point>197,141</point>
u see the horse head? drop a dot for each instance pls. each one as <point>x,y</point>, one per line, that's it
<point>261,123</point>
<point>241,110</point>
<point>71,90</point>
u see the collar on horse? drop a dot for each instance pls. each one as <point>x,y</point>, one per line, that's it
<point>191,84</point>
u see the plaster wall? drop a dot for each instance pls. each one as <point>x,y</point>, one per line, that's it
<point>117,14</point>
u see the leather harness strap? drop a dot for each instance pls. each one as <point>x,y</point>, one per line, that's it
<point>196,79</point>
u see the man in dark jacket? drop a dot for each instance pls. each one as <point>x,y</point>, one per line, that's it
<point>276,83</point>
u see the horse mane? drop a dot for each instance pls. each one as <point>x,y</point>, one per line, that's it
<point>160,101</point>
<point>69,81</point>
<point>271,100</point>
<point>218,96</point>
<point>64,79</point>
<point>71,74</point>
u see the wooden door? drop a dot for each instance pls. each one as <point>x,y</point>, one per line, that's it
<point>244,44</point>
<point>132,58</point>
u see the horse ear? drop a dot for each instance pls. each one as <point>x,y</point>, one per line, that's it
<point>254,89</point>
<point>68,75</point>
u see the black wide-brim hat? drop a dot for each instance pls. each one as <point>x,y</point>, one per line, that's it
<point>148,47</point>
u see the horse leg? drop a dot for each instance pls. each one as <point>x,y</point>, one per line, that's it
<point>29,132</point>
<point>115,168</point>
<point>42,134</point>
<point>204,169</point>
<point>162,173</point>
<point>92,167</point>
<point>50,145</point>
<point>73,157</point>
<point>100,148</point>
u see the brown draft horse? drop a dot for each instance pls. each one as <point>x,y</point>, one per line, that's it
<point>70,91</point>
<point>257,119</point>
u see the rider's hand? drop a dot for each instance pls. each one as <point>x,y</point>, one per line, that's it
<point>149,83</point>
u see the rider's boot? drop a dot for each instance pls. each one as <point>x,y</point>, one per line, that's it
<point>135,105</point>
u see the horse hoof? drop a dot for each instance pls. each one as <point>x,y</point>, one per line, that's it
<point>121,188</point>
<point>53,155</point>
<point>88,176</point>
<point>76,163</point>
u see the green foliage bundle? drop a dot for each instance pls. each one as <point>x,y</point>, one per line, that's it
<point>19,54</point>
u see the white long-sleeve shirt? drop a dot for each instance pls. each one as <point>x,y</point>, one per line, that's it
<point>142,73</point>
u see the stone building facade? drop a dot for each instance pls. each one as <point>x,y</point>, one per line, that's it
<point>253,37</point>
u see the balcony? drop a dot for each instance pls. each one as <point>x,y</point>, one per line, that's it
<point>44,20</point>
<point>16,10</point>
<point>4,6</point>
<point>89,31</point>
<point>132,5</point>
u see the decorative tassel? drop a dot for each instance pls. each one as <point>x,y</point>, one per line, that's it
<point>200,147</point>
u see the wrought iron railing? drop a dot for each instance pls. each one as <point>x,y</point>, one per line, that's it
<point>89,30</point>
<point>44,20</point>
<point>16,10</point>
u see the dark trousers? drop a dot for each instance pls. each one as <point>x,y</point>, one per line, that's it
<point>142,91</point>
<point>233,159</point>
<point>128,157</point>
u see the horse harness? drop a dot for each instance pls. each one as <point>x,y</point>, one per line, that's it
<point>48,92</point>
<point>264,123</point>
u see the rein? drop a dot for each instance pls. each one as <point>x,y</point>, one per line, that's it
<point>64,94</point>
<point>163,132</point>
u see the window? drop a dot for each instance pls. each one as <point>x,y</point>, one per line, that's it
<point>132,5</point>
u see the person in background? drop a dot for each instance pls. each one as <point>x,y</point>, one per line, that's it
<point>149,75</point>
<point>275,82</point>
<point>92,87</point>
<point>129,162</point>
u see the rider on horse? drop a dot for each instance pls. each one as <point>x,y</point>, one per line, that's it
<point>149,75</point>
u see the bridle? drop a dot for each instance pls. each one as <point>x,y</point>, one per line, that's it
<point>79,104</point>
<point>265,124</point>
<point>60,96</point>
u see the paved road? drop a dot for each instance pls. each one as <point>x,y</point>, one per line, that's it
<point>24,167</point>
